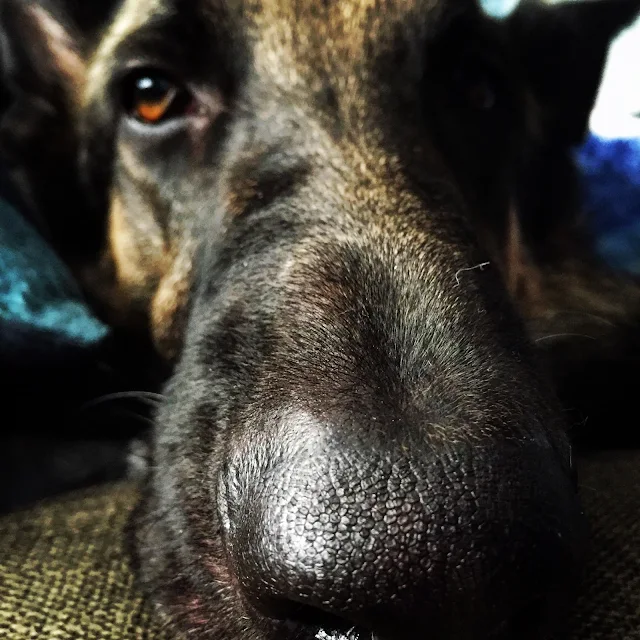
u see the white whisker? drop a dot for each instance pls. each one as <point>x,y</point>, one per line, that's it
<point>482,266</point>
<point>555,336</point>
<point>147,396</point>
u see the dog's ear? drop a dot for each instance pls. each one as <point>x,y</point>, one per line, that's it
<point>42,72</point>
<point>563,50</point>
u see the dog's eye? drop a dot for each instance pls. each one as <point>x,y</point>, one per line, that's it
<point>477,86</point>
<point>152,98</point>
<point>481,95</point>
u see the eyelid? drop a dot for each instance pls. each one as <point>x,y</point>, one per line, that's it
<point>145,62</point>
<point>211,98</point>
<point>159,130</point>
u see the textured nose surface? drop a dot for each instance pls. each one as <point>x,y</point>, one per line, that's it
<point>455,542</point>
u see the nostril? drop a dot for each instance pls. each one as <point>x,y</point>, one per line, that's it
<point>325,625</point>
<point>313,617</point>
<point>525,622</point>
<point>528,623</point>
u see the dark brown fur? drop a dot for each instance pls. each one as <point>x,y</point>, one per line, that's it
<point>346,265</point>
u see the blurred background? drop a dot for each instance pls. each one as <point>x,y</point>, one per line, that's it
<point>617,110</point>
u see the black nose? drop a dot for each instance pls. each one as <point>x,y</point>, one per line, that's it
<point>448,541</point>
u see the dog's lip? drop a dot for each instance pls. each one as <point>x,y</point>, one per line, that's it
<point>529,623</point>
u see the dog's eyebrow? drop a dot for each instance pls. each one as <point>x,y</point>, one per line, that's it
<point>132,17</point>
<point>146,29</point>
<point>156,32</point>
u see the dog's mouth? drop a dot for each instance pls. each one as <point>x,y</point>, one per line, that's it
<point>351,634</point>
<point>532,621</point>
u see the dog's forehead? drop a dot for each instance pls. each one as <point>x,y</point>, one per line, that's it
<point>336,17</point>
<point>340,34</point>
<point>293,28</point>
<point>349,14</point>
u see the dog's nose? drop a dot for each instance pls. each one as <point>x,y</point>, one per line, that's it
<point>457,541</point>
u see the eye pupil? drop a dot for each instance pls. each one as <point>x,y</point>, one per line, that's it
<point>149,88</point>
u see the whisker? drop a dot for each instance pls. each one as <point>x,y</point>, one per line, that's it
<point>147,396</point>
<point>555,336</point>
<point>132,414</point>
<point>605,321</point>
<point>482,266</point>
<point>576,314</point>
<point>594,491</point>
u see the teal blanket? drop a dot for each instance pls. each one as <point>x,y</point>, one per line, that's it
<point>42,312</point>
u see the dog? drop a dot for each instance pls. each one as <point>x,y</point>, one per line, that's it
<point>351,229</point>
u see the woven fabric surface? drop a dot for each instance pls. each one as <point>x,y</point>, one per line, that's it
<point>64,574</point>
<point>609,605</point>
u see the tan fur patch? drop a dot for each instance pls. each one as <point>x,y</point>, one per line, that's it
<point>131,273</point>
<point>63,51</point>
<point>123,280</point>
<point>169,305</point>
<point>132,15</point>
<point>143,288</point>
<point>132,165</point>
<point>522,277</point>
<point>241,194</point>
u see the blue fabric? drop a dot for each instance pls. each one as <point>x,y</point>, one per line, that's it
<point>609,159</point>
<point>610,174</point>
<point>42,313</point>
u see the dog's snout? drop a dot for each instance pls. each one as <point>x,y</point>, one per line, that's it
<point>399,539</point>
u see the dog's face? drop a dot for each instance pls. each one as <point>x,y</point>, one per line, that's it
<point>308,203</point>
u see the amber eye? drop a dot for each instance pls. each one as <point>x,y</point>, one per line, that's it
<point>481,94</point>
<point>477,86</point>
<point>151,97</point>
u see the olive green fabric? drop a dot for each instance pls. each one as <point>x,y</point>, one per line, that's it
<point>64,573</point>
<point>609,606</point>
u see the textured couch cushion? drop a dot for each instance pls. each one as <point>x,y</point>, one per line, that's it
<point>64,573</point>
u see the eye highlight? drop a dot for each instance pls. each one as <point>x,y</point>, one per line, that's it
<point>152,97</point>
